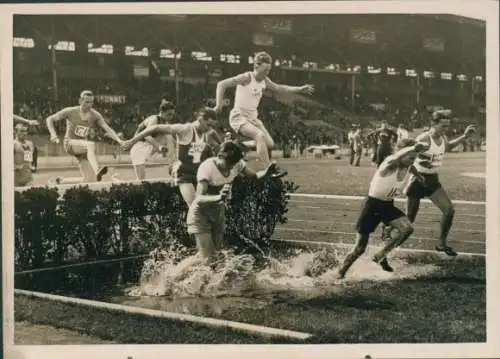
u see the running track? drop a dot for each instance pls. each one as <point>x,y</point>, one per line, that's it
<point>333,220</point>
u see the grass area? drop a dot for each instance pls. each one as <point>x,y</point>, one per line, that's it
<point>331,176</point>
<point>125,328</point>
<point>35,334</point>
<point>444,305</point>
<point>421,310</point>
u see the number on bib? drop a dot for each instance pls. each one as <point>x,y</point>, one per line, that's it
<point>28,156</point>
<point>393,192</point>
<point>195,151</point>
<point>81,131</point>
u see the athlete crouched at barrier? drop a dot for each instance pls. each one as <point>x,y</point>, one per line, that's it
<point>34,153</point>
<point>388,182</point>
<point>23,157</point>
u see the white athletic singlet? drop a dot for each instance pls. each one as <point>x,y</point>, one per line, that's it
<point>80,125</point>
<point>247,97</point>
<point>191,144</point>
<point>434,155</point>
<point>161,138</point>
<point>387,188</point>
<point>209,172</point>
<point>23,153</point>
<point>350,135</point>
<point>402,134</point>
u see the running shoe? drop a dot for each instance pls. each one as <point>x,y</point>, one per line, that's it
<point>384,263</point>
<point>275,171</point>
<point>447,249</point>
<point>102,171</point>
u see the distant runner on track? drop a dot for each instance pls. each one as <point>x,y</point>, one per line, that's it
<point>23,157</point>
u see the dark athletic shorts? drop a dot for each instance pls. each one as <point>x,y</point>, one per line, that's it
<point>383,151</point>
<point>426,189</point>
<point>185,173</point>
<point>375,211</point>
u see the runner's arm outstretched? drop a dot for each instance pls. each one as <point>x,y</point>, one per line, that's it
<point>107,128</point>
<point>152,130</point>
<point>25,120</point>
<point>309,89</point>
<point>453,143</point>
<point>149,139</point>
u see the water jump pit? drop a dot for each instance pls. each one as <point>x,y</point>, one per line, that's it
<point>290,297</point>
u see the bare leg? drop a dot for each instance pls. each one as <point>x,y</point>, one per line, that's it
<point>359,249</point>
<point>405,229</point>
<point>86,171</point>
<point>206,246</point>
<point>92,157</point>
<point>442,201</point>
<point>188,192</point>
<point>262,140</point>
<point>412,207</point>
<point>87,149</point>
<point>140,171</point>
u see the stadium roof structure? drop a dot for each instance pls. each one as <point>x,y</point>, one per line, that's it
<point>442,42</point>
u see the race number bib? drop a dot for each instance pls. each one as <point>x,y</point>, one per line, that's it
<point>195,151</point>
<point>257,92</point>
<point>28,156</point>
<point>393,192</point>
<point>437,158</point>
<point>81,131</point>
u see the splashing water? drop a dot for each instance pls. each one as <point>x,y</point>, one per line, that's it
<point>173,272</point>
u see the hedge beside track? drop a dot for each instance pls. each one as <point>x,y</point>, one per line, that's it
<point>126,219</point>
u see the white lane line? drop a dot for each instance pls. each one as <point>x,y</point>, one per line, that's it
<point>301,230</point>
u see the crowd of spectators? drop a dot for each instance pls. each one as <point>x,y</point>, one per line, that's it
<point>326,120</point>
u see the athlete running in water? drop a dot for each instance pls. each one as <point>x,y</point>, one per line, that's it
<point>194,144</point>
<point>23,157</point>
<point>383,138</point>
<point>206,215</point>
<point>142,150</point>
<point>427,165</point>
<point>250,86</point>
<point>388,182</point>
<point>79,141</point>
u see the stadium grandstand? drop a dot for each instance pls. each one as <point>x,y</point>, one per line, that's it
<point>362,69</point>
